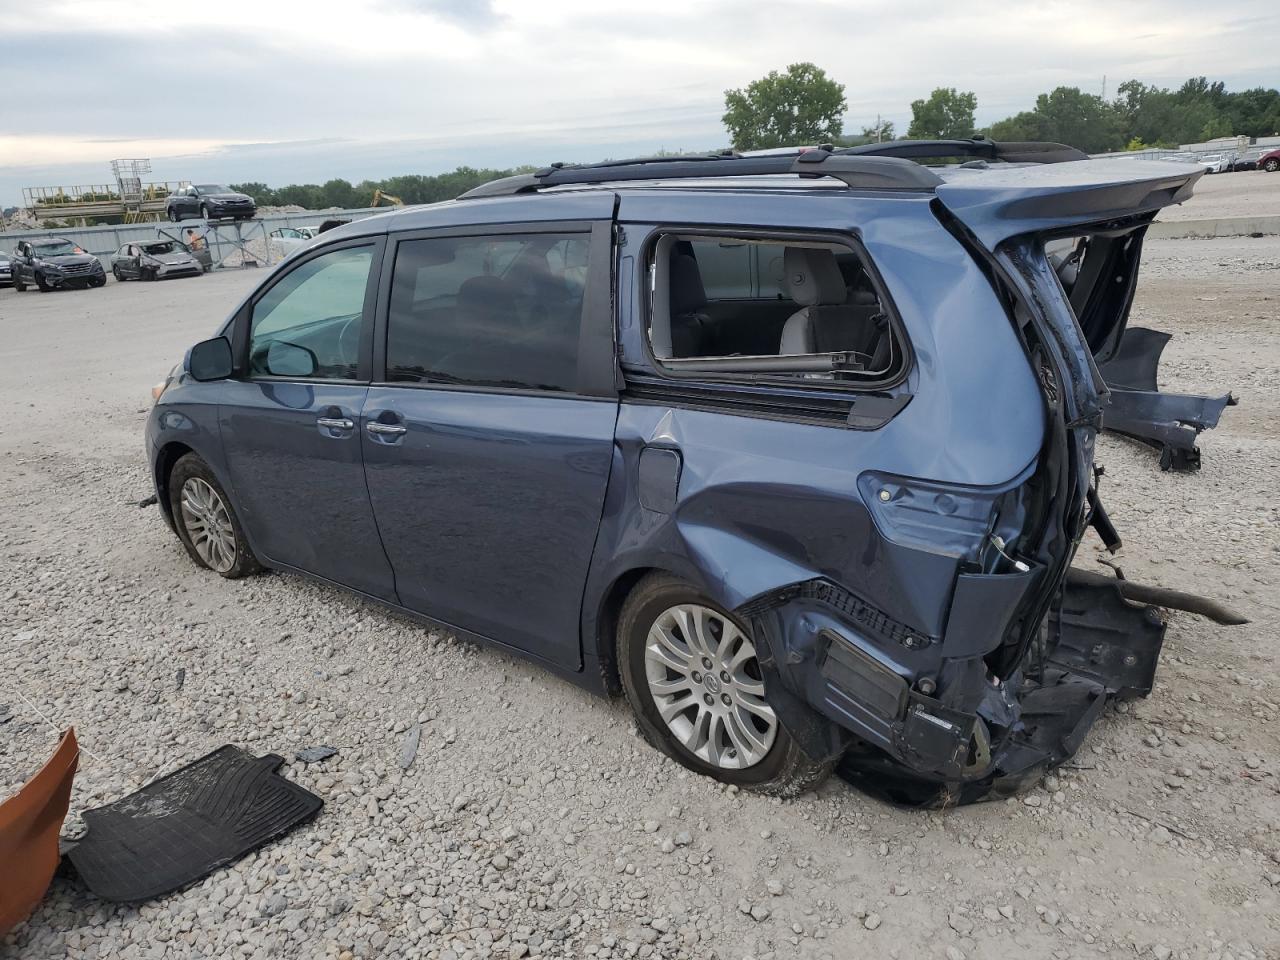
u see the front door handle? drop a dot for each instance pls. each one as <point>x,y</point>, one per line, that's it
<point>386,429</point>
<point>337,423</point>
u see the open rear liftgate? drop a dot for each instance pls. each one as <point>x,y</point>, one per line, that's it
<point>231,243</point>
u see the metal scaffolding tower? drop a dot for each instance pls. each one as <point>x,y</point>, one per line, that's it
<point>128,174</point>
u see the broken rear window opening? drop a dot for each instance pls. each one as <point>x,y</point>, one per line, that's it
<point>803,309</point>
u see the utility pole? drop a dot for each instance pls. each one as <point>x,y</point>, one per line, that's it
<point>1104,86</point>
<point>879,128</point>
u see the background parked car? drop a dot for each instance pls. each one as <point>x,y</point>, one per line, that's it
<point>1270,162</point>
<point>211,201</point>
<point>1213,162</point>
<point>153,261</point>
<point>285,241</point>
<point>6,272</point>
<point>53,262</point>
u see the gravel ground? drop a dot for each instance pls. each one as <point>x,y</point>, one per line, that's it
<point>534,821</point>
<point>1249,193</point>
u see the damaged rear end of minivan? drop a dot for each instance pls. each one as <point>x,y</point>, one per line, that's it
<point>1031,651</point>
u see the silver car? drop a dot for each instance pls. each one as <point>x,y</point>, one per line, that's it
<point>154,260</point>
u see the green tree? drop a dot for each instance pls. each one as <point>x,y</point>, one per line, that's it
<point>340,193</point>
<point>802,105</point>
<point>1065,115</point>
<point>883,132</point>
<point>946,115</point>
<point>260,192</point>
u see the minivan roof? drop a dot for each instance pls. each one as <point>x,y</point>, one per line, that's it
<point>1006,189</point>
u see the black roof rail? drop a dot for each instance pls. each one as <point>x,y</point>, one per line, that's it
<point>978,148</point>
<point>857,172</point>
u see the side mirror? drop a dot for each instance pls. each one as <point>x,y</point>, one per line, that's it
<point>286,359</point>
<point>210,360</point>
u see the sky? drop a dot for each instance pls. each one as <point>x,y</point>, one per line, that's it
<point>283,92</point>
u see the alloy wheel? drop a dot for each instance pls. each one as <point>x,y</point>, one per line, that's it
<point>208,524</point>
<point>707,686</point>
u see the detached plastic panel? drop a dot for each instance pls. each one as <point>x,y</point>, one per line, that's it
<point>182,827</point>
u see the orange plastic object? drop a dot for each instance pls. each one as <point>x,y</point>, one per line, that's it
<point>30,822</point>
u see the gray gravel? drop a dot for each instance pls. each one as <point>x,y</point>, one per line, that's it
<point>532,821</point>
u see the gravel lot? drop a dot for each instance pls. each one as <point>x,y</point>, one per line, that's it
<point>1249,193</point>
<point>534,821</point>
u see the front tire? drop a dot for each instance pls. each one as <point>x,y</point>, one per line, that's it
<point>206,523</point>
<point>714,720</point>
<point>42,283</point>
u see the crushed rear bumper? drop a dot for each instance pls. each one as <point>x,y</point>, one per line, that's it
<point>966,736</point>
<point>1170,422</point>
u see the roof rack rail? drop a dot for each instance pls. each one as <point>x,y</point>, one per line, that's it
<point>980,148</point>
<point>857,172</point>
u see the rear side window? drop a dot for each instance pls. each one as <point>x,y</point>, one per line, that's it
<point>318,307</point>
<point>805,308</point>
<point>495,311</point>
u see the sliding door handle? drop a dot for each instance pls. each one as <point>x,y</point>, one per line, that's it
<point>386,429</point>
<point>337,423</point>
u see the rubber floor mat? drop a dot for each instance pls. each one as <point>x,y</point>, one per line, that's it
<point>184,826</point>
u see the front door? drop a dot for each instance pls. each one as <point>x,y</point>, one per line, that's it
<point>290,421</point>
<point>488,445</point>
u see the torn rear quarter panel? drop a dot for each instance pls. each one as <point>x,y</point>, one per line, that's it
<point>901,582</point>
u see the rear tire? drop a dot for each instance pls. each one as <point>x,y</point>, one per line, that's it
<point>206,522</point>
<point>1271,166</point>
<point>718,724</point>
<point>115,272</point>
<point>19,285</point>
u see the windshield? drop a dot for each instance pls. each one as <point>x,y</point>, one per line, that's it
<point>55,248</point>
<point>213,188</point>
<point>155,249</point>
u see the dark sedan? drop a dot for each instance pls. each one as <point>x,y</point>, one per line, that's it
<point>155,260</point>
<point>53,262</point>
<point>211,201</point>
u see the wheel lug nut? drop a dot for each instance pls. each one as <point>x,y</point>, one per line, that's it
<point>724,675</point>
<point>710,700</point>
<point>724,698</point>
<point>706,663</point>
<point>697,677</point>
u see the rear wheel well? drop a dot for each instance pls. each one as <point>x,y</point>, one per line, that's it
<point>170,454</point>
<point>607,625</point>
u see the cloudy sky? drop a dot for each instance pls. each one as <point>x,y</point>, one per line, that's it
<point>283,91</point>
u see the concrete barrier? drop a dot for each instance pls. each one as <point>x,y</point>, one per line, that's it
<point>1213,227</point>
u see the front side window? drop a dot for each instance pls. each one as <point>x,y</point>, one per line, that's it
<point>308,323</point>
<point>498,311</point>
<point>803,308</point>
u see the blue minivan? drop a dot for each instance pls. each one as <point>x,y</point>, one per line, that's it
<point>793,450</point>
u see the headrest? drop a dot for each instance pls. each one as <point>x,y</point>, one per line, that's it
<point>687,293</point>
<point>532,277</point>
<point>488,295</point>
<point>813,276</point>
